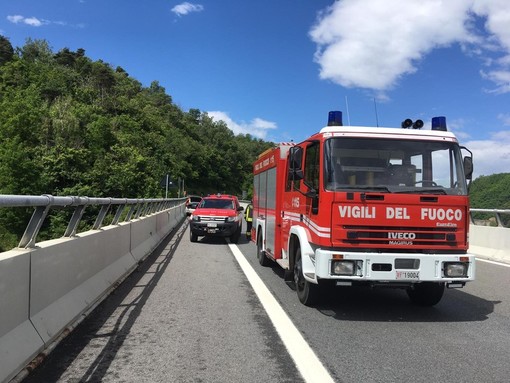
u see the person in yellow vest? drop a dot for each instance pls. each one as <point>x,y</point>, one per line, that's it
<point>248,216</point>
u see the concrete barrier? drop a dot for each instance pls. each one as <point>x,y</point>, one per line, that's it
<point>69,275</point>
<point>45,290</point>
<point>19,341</point>
<point>491,243</point>
<point>146,234</point>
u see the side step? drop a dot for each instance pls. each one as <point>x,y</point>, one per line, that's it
<point>284,263</point>
<point>288,276</point>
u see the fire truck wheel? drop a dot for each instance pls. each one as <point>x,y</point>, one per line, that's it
<point>193,237</point>
<point>261,254</point>
<point>426,293</point>
<point>308,293</point>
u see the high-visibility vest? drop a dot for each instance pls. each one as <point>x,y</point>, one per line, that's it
<point>248,214</point>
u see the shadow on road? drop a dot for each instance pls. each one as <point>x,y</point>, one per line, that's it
<point>361,303</point>
<point>120,308</point>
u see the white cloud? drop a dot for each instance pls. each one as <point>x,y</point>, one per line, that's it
<point>32,21</point>
<point>184,8</point>
<point>15,19</point>
<point>372,44</point>
<point>491,156</point>
<point>505,118</point>
<point>36,22</point>
<point>257,127</point>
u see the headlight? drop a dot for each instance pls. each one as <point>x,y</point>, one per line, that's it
<point>455,269</point>
<point>235,218</point>
<point>195,218</point>
<point>342,267</point>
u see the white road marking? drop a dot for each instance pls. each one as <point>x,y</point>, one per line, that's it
<point>493,262</point>
<point>310,367</point>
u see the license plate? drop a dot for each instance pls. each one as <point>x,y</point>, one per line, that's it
<point>213,224</point>
<point>409,275</point>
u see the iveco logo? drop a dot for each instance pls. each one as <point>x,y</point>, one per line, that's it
<point>402,235</point>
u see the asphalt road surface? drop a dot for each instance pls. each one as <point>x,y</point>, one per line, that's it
<point>190,314</point>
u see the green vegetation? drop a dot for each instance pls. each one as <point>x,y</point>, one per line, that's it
<point>491,192</point>
<point>73,126</point>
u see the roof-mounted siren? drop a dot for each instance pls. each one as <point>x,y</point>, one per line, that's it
<point>439,123</point>
<point>335,118</point>
<point>418,124</point>
<point>408,123</point>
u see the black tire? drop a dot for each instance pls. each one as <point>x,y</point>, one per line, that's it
<point>234,238</point>
<point>308,293</point>
<point>426,293</point>
<point>261,254</point>
<point>192,237</point>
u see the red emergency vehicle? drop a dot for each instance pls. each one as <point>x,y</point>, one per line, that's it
<point>367,205</point>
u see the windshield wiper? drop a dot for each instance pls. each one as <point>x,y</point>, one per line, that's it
<point>414,190</point>
<point>432,191</point>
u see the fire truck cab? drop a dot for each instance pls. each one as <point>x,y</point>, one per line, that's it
<point>366,206</point>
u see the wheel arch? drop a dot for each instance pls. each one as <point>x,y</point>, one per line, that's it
<point>298,236</point>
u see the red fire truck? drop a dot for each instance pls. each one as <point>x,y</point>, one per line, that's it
<point>367,206</point>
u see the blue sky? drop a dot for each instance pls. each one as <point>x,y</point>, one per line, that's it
<point>274,68</point>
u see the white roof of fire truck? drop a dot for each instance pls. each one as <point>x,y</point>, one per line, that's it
<point>408,130</point>
<point>365,131</point>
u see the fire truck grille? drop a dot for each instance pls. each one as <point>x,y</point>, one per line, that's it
<point>410,236</point>
<point>204,218</point>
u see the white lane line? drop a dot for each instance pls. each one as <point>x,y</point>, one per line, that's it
<point>493,262</point>
<point>310,367</point>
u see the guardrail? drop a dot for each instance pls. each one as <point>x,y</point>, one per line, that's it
<point>497,214</point>
<point>48,287</point>
<point>136,208</point>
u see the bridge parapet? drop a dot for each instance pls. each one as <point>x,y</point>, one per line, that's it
<point>48,287</point>
<point>489,234</point>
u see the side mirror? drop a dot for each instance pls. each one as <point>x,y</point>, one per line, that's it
<point>296,174</point>
<point>295,160</point>
<point>468,167</point>
<point>295,157</point>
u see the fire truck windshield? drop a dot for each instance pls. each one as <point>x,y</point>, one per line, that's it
<point>394,165</point>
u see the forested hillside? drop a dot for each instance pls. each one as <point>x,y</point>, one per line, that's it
<point>491,192</point>
<point>73,126</point>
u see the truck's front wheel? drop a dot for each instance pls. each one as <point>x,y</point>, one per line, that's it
<point>261,254</point>
<point>308,293</point>
<point>426,293</point>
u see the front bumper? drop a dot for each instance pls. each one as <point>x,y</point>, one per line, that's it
<point>218,229</point>
<point>390,267</point>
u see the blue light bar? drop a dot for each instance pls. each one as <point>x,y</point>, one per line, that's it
<point>439,123</point>
<point>335,118</point>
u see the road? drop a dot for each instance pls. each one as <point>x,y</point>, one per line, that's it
<point>190,314</point>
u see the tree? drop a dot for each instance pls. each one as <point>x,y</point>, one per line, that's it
<point>36,51</point>
<point>6,50</point>
<point>73,126</point>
